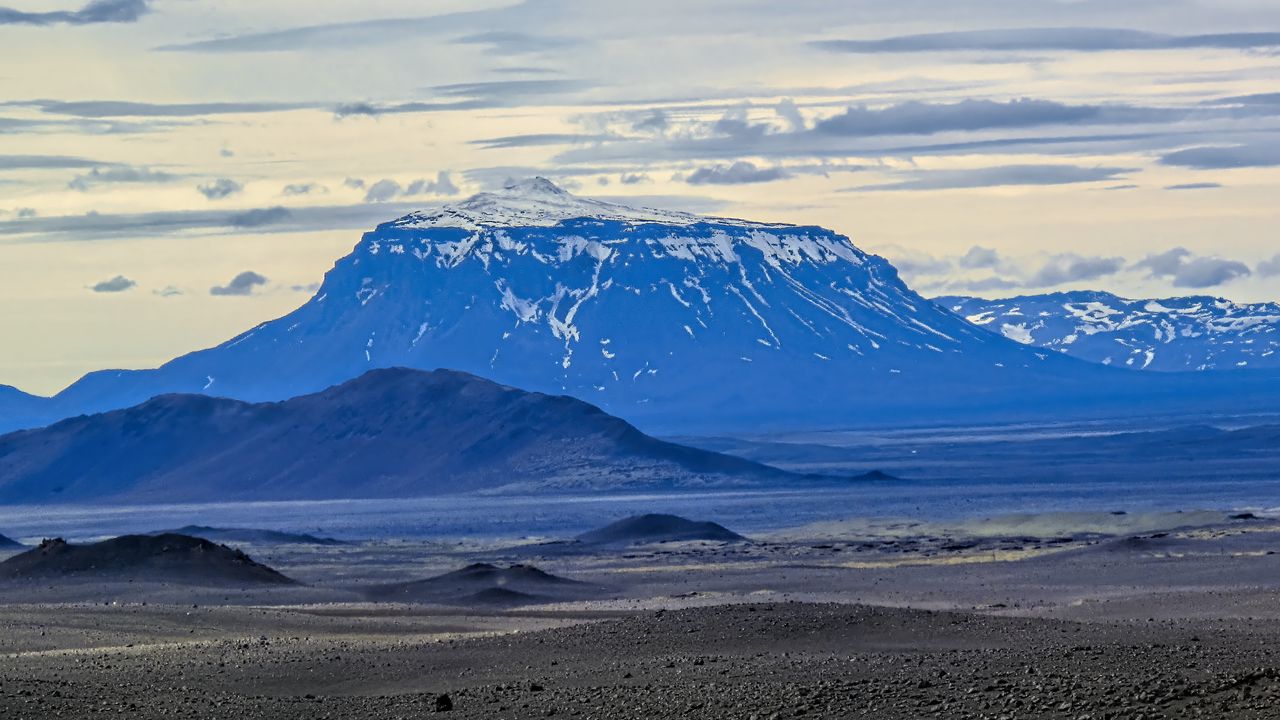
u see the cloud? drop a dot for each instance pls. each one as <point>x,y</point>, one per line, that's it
<point>921,118</point>
<point>118,174</point>
<point>1194,186</point>
<point>788,111</point>
<point>987,284</point>
<point>116,284</point>
<point>541,139</point>
<point>1190,271</point>
<point>386,190</point>
<point>917,263</point>
<point>1164,264</point>
<point>655,122</point>
<point>118,108</point>
<point>294,189</point>
<point>97,11</point>
<point>1269,268</point>
<point>634,178</point>
<point>1069,267</point>
<point>1046,39</point>
<point>343,34</point>
<point>101,226</point>
<point>468,96</point>
<point>1225,157</point>
<point>516,43</point>
<point>242,284</point>
<point>353,183</point>
<point>1001,176</point>
<point>46,162</point>
<point>979,257</point>
<point>220,188</point>
<point>1204,272</point>
<point>738,173</point>
<point>259,217</point>
<point>167,291</point>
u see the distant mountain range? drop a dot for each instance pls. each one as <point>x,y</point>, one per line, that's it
<point>1172,334</point>
<point>676,322</point>
<point>389,433</point>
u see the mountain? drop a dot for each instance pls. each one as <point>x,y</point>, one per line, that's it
<point>388,433</point>
<point>655,528</point>
<point>156,558</point>
<point>7,543</point>
<point>676,322</point>
<point>1173,334</point>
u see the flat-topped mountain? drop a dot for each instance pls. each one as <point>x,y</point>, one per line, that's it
<point>676,322</point>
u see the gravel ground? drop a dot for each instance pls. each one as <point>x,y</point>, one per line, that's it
<point>739,661</point>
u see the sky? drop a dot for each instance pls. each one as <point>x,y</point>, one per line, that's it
<point>173,172</point>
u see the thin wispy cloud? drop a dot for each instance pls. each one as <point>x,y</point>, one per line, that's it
<point>119,174</point>
<point>1047,39</point>
<point>1004,176</point>
<point>121,108</point>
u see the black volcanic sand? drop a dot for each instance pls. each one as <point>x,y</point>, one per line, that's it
<point>758,660</point>
<point>484,584</point>
<point>1124,617</point>
<point>155,558</point>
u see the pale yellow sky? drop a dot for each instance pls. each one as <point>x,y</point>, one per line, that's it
<point>1035,129</point>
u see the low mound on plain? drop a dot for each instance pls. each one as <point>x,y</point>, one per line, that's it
<point>486,584</point>
<point>148,558</point>
<point>657,528</point>
<point>251,536</point>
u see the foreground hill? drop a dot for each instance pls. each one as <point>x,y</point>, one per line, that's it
<point>150,558</point>
<point>1172,334</point>
<point>389,433</point>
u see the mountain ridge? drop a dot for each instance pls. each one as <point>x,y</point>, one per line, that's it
<point>1190,333</point>
<point>389,433</point>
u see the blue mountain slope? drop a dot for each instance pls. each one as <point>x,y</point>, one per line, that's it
<point>387,433</point>
<point>673,321</point>
<point>1173,334</point>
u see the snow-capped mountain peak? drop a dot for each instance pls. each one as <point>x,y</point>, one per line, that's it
<point>538,202</point>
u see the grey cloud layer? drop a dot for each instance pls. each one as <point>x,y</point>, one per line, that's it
<point>1045,39</point>
<point>97,11</point>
